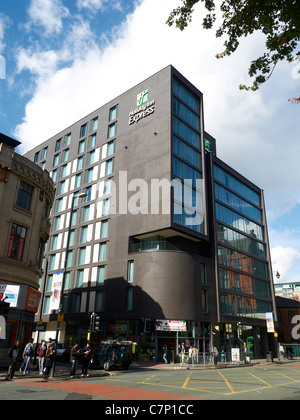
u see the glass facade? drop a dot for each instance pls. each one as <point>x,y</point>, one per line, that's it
<point>242,256</point>
<point>188,208</point>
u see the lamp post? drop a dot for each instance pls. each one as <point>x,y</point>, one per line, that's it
<point>59,316</point>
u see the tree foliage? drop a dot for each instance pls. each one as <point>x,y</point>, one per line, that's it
<point>279,20</point>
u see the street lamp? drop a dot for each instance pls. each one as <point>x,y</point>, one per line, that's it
<point>277,274</point>
<point>81,195</point>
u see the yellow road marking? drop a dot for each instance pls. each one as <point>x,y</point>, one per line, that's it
<point>226,381</point>
<point>285,376</point>
<point>186,381</point>
<point>256,377</point>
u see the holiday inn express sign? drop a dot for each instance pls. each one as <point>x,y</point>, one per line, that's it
<point>144,108</point>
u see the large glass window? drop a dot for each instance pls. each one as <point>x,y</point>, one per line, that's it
<point>239,241</point>
<point>16,242</point>
<point>181,149</point>
<point>186,96</point>
<point>239,222</point>
<point>24,195</point>
<point>186,132</point>
<point>242,283</point>
<point>229,181</point>
<point>234,259</point>
<point>186,114</point>
<point>237,203</point>
<point>185,172</point>
<point>235,305</point>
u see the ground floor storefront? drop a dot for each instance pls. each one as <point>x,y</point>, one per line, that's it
<point>147,338</point>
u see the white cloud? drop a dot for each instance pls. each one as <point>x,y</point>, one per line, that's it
<point>284,260</point>
<point>49,14</point>
<point>4,24</point>
<point>98,4</point>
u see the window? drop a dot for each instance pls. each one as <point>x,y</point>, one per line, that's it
<point>78,179</point>
<point>83,234</point>
<point>45,153</point>
<point>81,146</point>
<point>81,256</point>
<point>67,140</point>
<point>104,229</point>
<point>65,155</point>
<point>36,157</point>
<point>90,158</point>
<point>110,148</point>
<point>100,275</point>
<point>70,259</point>
<point>202,274</point>
<point>109,167</point>
<point>92,141</point>
<point>99,302</point>
<point>112,130</point>
<point>56,160</point>
<point>129,299</point>
<point>24,195</point>
<point>49,283</point>
<point>63,171</point>
<point>106,207</point>
<point>79,163</point>
<point>76,302</point>
<point>16,242</point>
<point>113,113</point>
<point>94,124</point>
<point>58,145</point>
<point>130,271</point>
<point>102,252</point>
<point>83,130</point>
<point>79,278</point>
<point>85,214</point>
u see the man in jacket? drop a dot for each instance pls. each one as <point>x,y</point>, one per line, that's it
<point>41,353</point>
<point>14,354</point>
<point>75,351</point>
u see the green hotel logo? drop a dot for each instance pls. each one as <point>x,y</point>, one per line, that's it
<point>142,98</point>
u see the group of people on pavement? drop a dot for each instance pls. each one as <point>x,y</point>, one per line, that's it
<point>45,355</point>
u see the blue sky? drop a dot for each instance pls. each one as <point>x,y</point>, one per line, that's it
<point>63,61</point>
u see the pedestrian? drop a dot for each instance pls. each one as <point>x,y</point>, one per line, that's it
<point>281,350</point>
<point>15,355</point>
<point>87,359</point>
<point>182,354</point>
<point>27,355</point>
<point>41,353</point>
<point>49,359</point>
<point>194,354</point>
<point>165,354</point>
<point>75,351</point>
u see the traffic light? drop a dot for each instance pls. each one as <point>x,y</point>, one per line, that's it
<point>4,308</point>
<point>147,325</point>
<point>95,322</point>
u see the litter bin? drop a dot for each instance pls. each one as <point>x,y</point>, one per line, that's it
<point>269,356</point>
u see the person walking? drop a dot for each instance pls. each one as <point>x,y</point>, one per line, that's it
<point>165,354</point>
<point>28,354</point>
<point>41,353</point>
<point>75,351</point>
<point>182,354</point>
<point>15,355</point>
<point>49,359</point>
<point>87,359</point>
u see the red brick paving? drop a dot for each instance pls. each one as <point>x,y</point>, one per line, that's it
<point>111,391</point>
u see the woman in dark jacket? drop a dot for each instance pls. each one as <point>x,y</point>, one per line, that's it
<point>49,359</point>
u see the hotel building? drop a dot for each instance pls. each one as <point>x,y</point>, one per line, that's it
<point>169,244</point>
